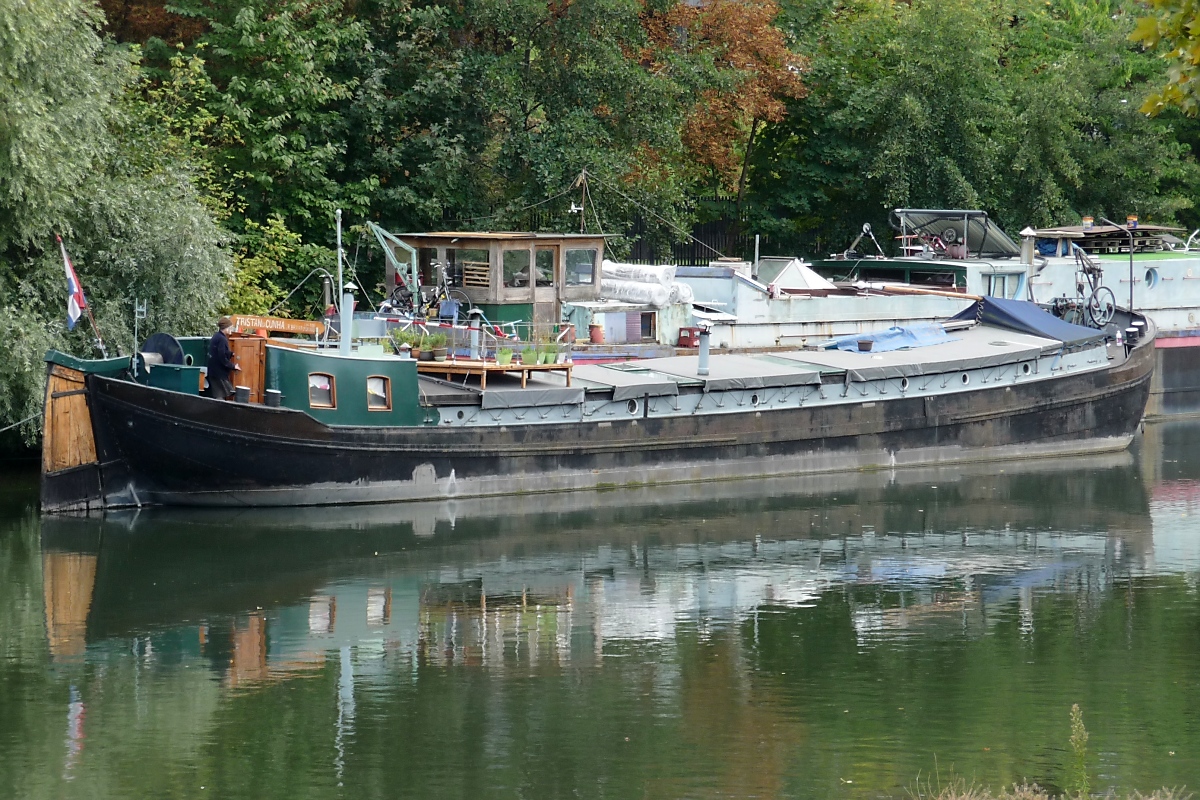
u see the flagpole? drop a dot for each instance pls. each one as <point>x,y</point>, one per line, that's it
<point>86,306</point>
<point>96,329</point>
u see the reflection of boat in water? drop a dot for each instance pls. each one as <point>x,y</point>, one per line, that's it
<point>265,593</point>
<point>1169,467</point>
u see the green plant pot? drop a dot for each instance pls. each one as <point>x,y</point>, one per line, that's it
<point>504,359</point>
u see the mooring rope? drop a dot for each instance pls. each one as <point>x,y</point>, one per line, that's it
<point>22,422</point>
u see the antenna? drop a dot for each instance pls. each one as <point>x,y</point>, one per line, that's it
<point>338,215</point>
<point>139,313</point>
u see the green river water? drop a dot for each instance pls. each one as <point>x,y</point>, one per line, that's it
<point>840,636</point>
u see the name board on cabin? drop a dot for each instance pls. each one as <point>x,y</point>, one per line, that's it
<point>246,322</point>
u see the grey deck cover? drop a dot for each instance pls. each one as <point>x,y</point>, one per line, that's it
<point>626,384</point>
<point>975,348</point>
<point>738,372</point>
<point>531,397</point>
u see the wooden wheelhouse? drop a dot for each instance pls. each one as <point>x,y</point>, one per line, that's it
<point>510,276</point>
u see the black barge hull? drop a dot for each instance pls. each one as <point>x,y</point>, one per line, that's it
<point>160,447</point>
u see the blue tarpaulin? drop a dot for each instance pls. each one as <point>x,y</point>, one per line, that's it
<point>894,339</point>
<point>1026,317</point>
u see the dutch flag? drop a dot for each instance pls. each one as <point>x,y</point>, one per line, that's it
<point>75,299</point>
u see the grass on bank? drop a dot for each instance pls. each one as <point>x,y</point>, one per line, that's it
<point>962,791</point>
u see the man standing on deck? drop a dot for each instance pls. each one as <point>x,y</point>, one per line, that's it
<point>220,362</point>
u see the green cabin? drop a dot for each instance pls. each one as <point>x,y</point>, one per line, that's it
<point>364,389</point>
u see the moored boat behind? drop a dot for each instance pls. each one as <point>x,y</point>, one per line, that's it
<point>1006,380</point>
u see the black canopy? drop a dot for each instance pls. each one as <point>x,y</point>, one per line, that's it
<point>1026,317</point>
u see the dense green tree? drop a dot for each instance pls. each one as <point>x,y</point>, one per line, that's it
<point>275,90</point>
<point>1174,28</point>
<point>468,115</point>
<point>1027,110</point>
<point>81,154</point>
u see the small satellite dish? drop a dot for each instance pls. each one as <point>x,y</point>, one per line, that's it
<point>165,345</point>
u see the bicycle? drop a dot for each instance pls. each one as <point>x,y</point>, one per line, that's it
<point>439,301</point>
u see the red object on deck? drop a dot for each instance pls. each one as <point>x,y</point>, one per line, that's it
<point>689,337</point>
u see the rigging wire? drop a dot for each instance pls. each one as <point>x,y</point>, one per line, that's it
<point>517,211</point>
<point>30,418</point>
<point>651,212</point>
<point>354,272</point>
<point>588,195</point>
<point>279,305</point>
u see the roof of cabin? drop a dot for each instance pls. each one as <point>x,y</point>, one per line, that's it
<point>505,235</point>
<point>1080,232</point>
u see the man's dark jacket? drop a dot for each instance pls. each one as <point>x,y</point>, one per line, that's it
<point>220,358</point>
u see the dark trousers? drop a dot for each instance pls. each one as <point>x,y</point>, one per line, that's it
<point>219,389</point>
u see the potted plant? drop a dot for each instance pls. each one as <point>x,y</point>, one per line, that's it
<point>548,353</point>
<point>405,342</point>
<point>437,342</point>
<point>424,348</point>
<point>529,355</point>
<point>504,356</point>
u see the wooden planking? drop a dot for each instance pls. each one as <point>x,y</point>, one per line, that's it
<point>482,368</point>
<point>250,353</point>
<point>249,322</point>
<point>67,432</point>
<point>476,273</point>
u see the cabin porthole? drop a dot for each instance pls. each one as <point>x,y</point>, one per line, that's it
<point>187,360</point>
<point>1026,369</point>
<point>1151,278</point>
<point>904,384</point>
<point>461,415</point>
<point>965,378</point>
<point>632,406</point>
<point>755,400</point>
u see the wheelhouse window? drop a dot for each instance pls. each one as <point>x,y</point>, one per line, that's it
<point>544,262</point>
<point>426,259</point>
<point>321,393</point>
<point>516,268</point>
<point>466,267</point>
<point>379,393</point>
<point>581,267</point>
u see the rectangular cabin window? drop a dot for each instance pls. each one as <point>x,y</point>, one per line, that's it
<point>649,326</point>
<point>998,285</point>
<point>516,268</point>
<point>321,392</point>
<point>939,279</point>
<point>544,262</point>
<point>426,258</point>
<point>379,393</point>
<point>581,267</point>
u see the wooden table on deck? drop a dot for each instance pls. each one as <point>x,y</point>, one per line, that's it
<point>482,368</point>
